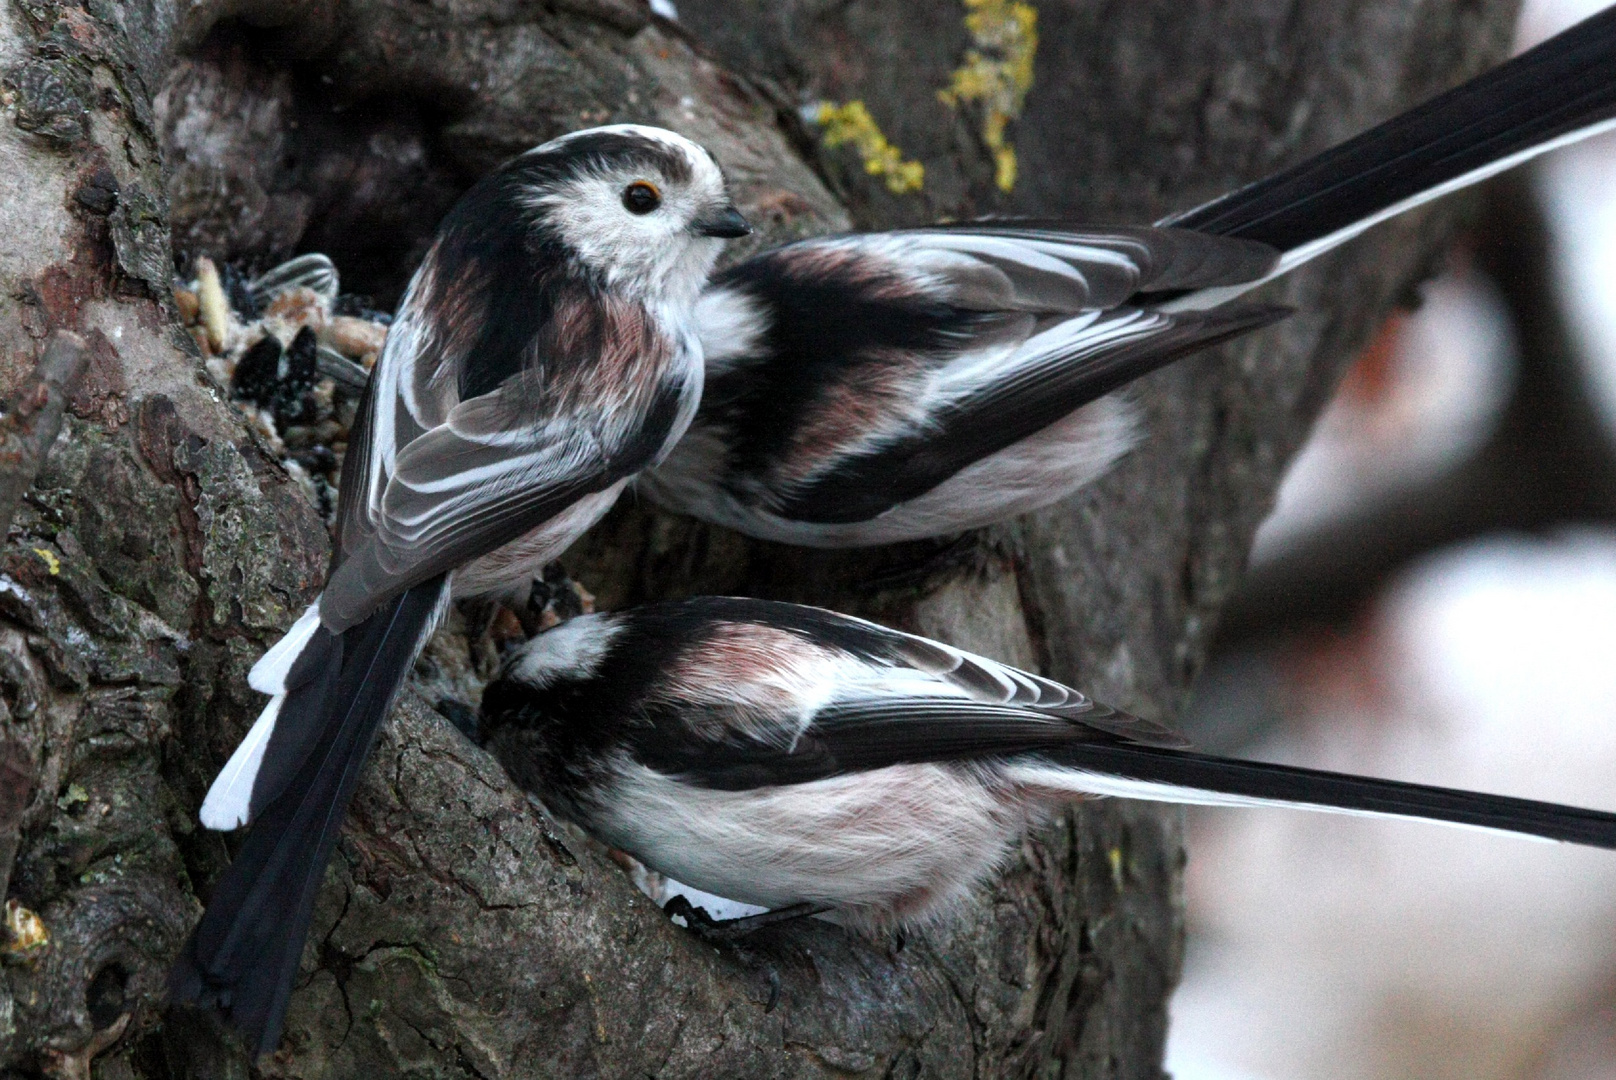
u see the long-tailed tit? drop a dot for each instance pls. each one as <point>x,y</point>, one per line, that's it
<point>777,755</point>
<point>873,388</point>
<point>543,354</point>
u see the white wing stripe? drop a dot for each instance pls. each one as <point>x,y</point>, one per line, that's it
<point>1016,246</point>
<point>1021,254</point>
<point>1070,341</point>
<point>514,467</point>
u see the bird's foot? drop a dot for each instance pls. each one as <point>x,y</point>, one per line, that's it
<point>728,934</point>
<point>728,931</point>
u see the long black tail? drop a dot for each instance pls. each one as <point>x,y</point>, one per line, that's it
<point>1160,775</point>
<point>242,957</point>
<point>1565,85</point>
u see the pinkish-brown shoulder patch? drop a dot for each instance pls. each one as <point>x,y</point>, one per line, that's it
<point>763,681</point>
<point>872,399</point>
<point>457,305</point>
<point>600,353</point>
<point>871,273</point>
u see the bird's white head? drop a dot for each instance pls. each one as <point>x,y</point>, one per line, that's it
<point>643,207</point>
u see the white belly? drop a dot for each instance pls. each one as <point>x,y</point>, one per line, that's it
<point>900,844</point>
<point>1041,469</point>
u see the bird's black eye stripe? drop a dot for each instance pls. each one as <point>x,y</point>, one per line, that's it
<point>641,197</point>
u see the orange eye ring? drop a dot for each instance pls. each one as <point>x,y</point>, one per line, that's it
<point>641,197</point>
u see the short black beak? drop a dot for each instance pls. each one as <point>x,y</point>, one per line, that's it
<point>726,224</point>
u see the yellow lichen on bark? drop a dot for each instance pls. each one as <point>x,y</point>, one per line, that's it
<point>997,73</point>
<point>852,123</point>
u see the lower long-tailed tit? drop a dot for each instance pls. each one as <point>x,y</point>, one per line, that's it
<point>543,354</point>
<point>777,755</point>
<point>873,388</point>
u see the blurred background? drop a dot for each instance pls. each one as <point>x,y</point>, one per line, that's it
<point>1433,599</point>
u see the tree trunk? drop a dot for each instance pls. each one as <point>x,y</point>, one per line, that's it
<point>460,933</point>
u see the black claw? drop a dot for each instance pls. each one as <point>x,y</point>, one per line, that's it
<point>680,907</point>
<point>727,931</point>
<point>774,990</point>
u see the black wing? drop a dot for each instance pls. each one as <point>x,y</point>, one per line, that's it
<point>864,370</point>
<point>483,478</point>
<point>903,698</point>
<point>1058,372</point>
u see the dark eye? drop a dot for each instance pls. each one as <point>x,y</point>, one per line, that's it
<point>641,197</point>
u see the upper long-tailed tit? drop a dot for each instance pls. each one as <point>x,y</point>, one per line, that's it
<point>543,354</point>
<point>873,388</point>
<point>779,755</point>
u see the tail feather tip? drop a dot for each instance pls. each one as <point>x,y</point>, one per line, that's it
<point>228,802</point>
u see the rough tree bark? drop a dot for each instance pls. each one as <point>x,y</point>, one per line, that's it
<point>459,934</point>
